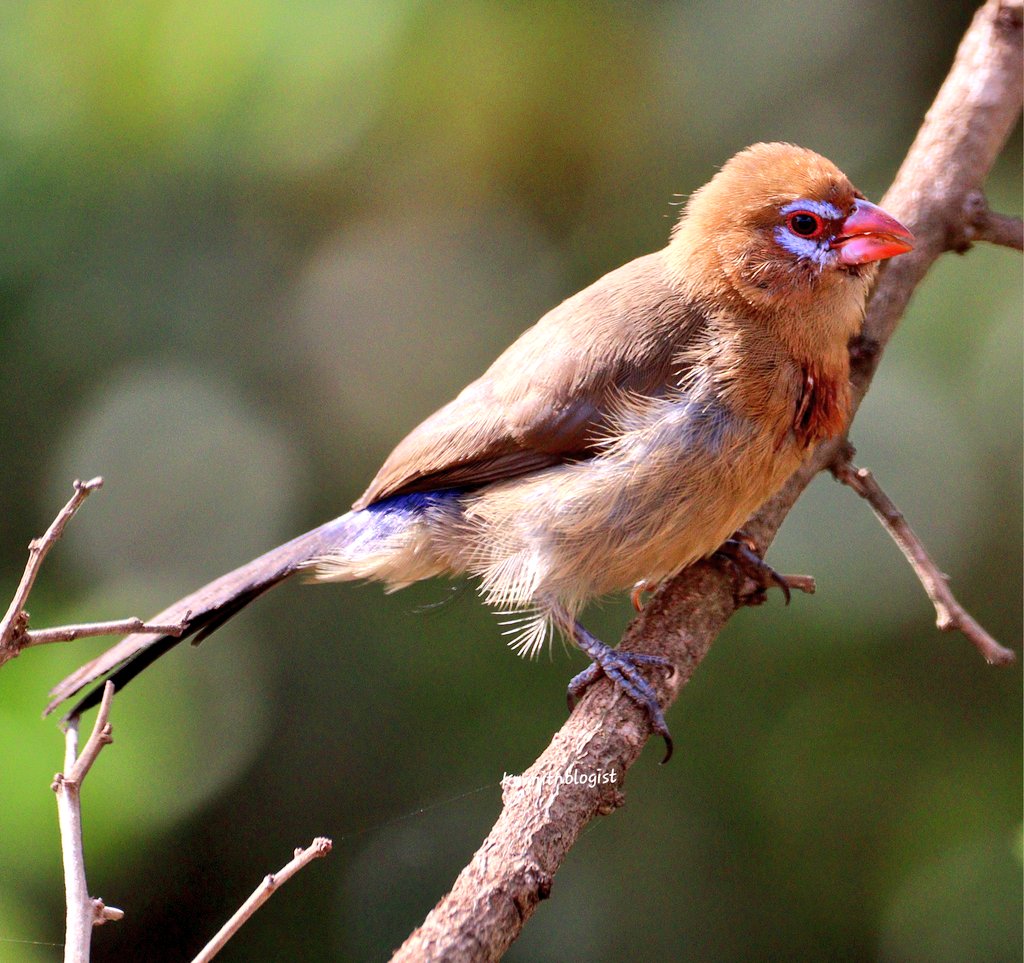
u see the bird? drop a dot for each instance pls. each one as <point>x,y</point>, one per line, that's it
<point>627,434</point>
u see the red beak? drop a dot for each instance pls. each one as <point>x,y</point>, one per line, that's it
<point>869,234</point>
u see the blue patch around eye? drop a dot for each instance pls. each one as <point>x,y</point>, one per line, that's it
<point>815,250</point>
<point>823,209</point>
<point>805,248</point>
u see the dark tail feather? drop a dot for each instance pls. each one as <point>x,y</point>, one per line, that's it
<point>202,612</point>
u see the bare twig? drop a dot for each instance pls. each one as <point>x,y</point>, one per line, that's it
<point>68,633</point>
<point>102,735</point>
<point>495,894</point>
<point>83,912</point>
<point>15,635</point>
<point>983,224</point>
<point>320,846</point>
<point>15,621</point>
<point>950,615</point>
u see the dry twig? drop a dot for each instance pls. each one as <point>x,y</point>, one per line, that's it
<point>68,633</point>
<point>320,846</point>
<point>495,894</point>
<point>83,911</point>
<point>15,622</point>
<point>950,615</point>
<point>14,631</point>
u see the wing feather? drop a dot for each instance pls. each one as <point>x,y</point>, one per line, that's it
<point>546,399</point>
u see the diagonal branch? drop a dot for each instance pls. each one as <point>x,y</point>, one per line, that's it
<point>320,846</point>
<point>950,615</point>
<point>547,808</point>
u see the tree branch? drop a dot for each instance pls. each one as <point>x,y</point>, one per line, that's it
<point>320,846</point>
<point>544,812</point>
<point>14,631</point>
<point>83,912</point>
<point>15,622</point>
<point>950,615</point>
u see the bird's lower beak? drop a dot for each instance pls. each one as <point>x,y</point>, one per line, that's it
<point>869,234</point>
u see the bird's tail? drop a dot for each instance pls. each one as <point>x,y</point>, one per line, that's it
<point>207,609</point>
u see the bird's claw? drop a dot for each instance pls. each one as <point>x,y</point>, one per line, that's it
<point>638,589</point>
<point>743,555</point>
<point>622,669</point>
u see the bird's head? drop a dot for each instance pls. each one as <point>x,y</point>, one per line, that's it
<point>780,224</point>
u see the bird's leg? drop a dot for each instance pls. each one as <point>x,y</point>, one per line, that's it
<point>621,668</point>
<point>744,557</point>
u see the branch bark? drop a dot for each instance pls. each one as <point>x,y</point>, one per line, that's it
<point>580,774</point>
<point>83,911</point>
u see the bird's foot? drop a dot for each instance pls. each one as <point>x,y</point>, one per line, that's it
<point>623,670</point>
<point>744,558</point>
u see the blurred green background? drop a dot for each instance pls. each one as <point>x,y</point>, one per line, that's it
<point>246,246</point>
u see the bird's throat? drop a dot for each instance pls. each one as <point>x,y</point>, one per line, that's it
<point>823,405</point>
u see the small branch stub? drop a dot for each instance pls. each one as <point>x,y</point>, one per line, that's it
<point>980,223</point>
<point>105,914</point>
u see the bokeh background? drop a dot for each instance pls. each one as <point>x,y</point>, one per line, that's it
<point>245,247</point>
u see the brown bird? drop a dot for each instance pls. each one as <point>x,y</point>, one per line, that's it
<point>627,434</point>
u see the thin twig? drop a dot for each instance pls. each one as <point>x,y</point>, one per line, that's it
<point>15,635</point>
<point>83,911</point>
<point>15,622</point>
<point>102,735</point>
<point>950,615</point>
<point>68,633</point>
<point>320,846</point>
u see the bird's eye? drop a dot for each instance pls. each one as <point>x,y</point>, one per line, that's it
<point>805,224</point>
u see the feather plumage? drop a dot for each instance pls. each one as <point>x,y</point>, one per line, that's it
<point>627,433</point>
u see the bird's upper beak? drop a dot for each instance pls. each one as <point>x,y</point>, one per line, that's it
<point>869,234</point>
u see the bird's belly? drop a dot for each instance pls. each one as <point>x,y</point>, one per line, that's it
<point>667,491</point>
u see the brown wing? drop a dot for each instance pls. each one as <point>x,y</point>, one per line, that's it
<point>545,399</point>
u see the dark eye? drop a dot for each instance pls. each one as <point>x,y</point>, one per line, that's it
<point>805,224</point>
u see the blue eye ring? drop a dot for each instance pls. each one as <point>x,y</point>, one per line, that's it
<point>805,224</point>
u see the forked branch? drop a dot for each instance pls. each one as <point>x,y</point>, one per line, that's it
<point>83,911</point>
<point>15,635</point>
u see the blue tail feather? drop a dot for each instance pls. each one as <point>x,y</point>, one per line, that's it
<point>207,609</point>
